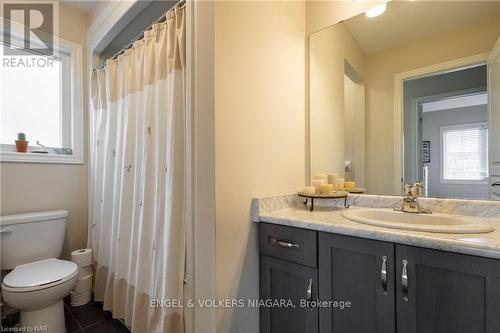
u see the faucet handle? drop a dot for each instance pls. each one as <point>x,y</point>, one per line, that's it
<point>418,183</point>
<point>408,190</point>
<point>418,188</point>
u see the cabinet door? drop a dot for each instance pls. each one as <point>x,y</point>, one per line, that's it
<point>442,292</point>
<point>360,271</point>
<point>283,280</point>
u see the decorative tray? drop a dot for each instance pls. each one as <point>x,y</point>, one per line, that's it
<point>334,195</point>
<point>355,190</point>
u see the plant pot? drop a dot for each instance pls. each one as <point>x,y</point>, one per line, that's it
<point>21,146</point>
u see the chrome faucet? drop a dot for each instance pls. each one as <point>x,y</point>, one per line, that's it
<point>410,202</point>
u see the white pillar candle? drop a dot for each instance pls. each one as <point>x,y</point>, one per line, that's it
<point>321,176</point>
<point>340,183</point>
<point>350,184</point>
<point>332,178</point>
<point>326,188</point>
<point>317,182</point>
<point>309,190</point>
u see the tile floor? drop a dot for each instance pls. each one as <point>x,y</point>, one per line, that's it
<point>90,318</point>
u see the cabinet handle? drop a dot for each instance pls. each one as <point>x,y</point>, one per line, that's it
<point>287,245</point>
<point>383,274</point>
<point>496,184</point>
<point>404,280</point>
<point>309,290</point>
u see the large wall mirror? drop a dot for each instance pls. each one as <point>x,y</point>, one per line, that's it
<point>411,94</point>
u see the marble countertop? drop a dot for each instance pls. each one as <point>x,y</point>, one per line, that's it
<point>288,210</point>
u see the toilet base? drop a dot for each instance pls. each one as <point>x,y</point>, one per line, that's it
<point>49,319</point>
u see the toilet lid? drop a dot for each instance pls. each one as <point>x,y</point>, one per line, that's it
<point>40,273</point>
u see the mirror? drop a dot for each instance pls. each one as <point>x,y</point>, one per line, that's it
<point>403,97</point>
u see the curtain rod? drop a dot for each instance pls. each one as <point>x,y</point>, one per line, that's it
<point>141,35</point>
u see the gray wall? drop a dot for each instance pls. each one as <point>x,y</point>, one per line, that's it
<point>470,78</point>
<point>431,123</point>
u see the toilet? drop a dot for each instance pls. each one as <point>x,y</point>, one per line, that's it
<point>38,281</point>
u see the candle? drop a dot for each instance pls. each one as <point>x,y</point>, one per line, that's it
<point>326,188</point>
<point>317,182</point>
<point>321,176</point>
<point>309,190</point>
<point>349,184</point>
<point>340,183</point>
<point>332,178</point>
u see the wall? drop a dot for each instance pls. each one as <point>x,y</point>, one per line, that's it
<point>329,49</point>
<point>29,187</point>
<point>446,83</point>
<point>260,134</point>
<point>380,69</point>
<point>432,121</point>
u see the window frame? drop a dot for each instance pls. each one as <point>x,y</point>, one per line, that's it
<point>442,130</point>
<point>73,117</point>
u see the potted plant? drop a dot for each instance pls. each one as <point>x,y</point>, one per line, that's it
<point>21,143</point>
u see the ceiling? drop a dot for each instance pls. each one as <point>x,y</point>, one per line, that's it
<point>404,21</point>
<point>84,6</point>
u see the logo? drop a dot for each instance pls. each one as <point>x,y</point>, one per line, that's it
<point>28,27</point>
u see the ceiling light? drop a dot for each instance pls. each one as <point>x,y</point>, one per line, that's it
<point>376,11</point>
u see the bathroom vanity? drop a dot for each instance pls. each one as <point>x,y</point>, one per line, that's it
<point>362,278</point>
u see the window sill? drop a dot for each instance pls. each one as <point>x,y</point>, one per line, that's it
<point>12,156</point>
<point>463,182</point>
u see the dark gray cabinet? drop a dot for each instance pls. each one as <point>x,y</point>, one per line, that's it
<point>391,287</point>
<point>442,292</point>
<point>283,280</point>
<point>361,272</point>
<point>288,273</point>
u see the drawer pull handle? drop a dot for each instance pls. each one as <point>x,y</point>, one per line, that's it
<point>287,245</point>
<point>309,290</point>
<point>383,274</point>
<point>404,280</point>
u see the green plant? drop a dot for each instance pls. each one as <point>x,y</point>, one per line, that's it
<point>21,136</point>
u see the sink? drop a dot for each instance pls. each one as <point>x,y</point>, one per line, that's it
<point>436,222</point>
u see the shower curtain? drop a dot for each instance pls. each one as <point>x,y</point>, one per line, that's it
<point>137,215</point>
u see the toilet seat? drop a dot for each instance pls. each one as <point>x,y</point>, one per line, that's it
<point>39,275</point>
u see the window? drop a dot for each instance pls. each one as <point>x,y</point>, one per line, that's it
<point>464,153</point>
<point>41,96</point>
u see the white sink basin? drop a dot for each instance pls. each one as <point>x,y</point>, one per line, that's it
<point>435,222</point>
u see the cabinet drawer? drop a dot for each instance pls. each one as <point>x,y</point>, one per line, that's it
<point>291,244</point>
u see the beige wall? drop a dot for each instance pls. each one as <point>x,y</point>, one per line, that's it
<point>380,69</point>
<point>29,187</point>
<point>328,50</point>
<point>260,134</point>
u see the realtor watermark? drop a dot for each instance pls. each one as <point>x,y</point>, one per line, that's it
<point>36,19</point>
<point>27,62</point>
<point>29,31</point>
<point>250,303</point>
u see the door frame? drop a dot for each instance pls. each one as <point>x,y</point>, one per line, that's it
<point>417,113</point>
<point>399,78</point>
<point>494,54</point>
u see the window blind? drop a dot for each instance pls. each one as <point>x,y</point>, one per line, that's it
<point>465,152</point>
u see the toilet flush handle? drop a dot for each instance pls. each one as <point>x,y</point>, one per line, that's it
<point>6,231</point>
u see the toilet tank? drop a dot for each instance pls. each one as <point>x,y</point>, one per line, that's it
<point>25,238</point>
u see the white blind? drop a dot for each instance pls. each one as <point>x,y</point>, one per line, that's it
<point>465,152</point>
